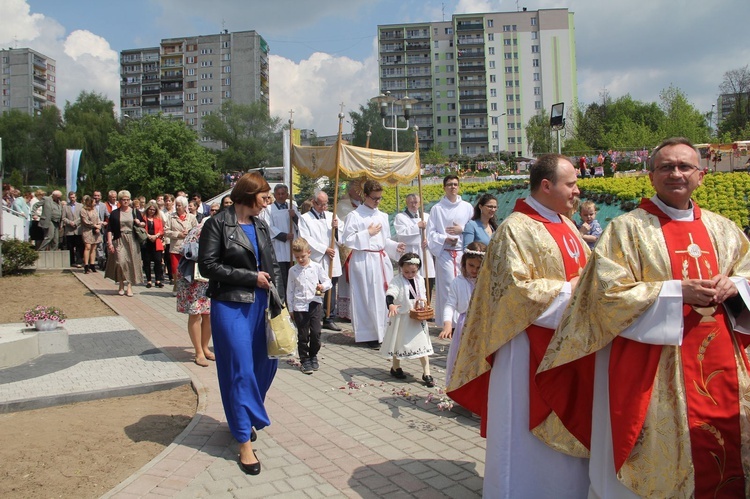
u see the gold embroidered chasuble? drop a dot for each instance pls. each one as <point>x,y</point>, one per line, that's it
<point>521,276</point>
<point>622,280</point>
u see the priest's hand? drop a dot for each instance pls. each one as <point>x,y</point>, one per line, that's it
<point>401,247</point>
<point>699,292</point>
<point>724,287</point>
<point>454,230</point>
<point>447,332</point>
<point>374,229</point>
<point>331,252</point>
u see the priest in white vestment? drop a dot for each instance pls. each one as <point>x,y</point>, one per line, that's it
<point>367,233</point>
<point>282,217</point>
<point>412,231</point>
<point>316,226</point>
<point>445,238</point>
<point>346,204</point>
<point>530,267</point>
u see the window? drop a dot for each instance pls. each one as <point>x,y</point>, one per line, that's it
<point>533,21</point>
<point>515,27</point>
<point>437,69</point>
<point>226,69</point>
<point>451,106</point>
<point>535,49</point>
<point>535,63</point>
<point>451,119</point>
<point>225,45</point>
<point>515,55</point>
<point>448,31</point>
<point>518,111</point>
<point>191,59</point>
<point>450,68</point>
<point>437,94</point>
<point>518,83</point>
<point>537,104</point>
<point>450,93</point>
<point>511,126</point>
<point>537,77</point>
<point>518,97</point>
<point>534,35</point>
<point>509,84</point>
<point>515,69</point>
<point>491,37</point>
<point>438,106</point>
<point>490,23</point>
<point>491,50</point>
<point>508,56</point>
<point>509,97</point>
<point>228,81</point>
<point>436,44</point>
<point>226,57</point>
<point>493,92</point>
<point>227,94</point>
<point>506,27</point>
<point>492,65</point>
<point>452,145</point>
<point>511,140</point>
<point>508,69</point>
<point>207,76</point>
<point>493,106</point>
<point>192,48</point>
<point>449,55</point>
<point>440,132</point>
<point>537,90</point>
<point>207,100</point>
<point>191,109</point>
<point>492,78</point>
<point>207,88</point>
<point>435,30</point>
<point>451,131</point>
<point>437,82</point>
<point>506,42</point>
<point>511,112</point>
<point>439,119</point>
<point>450,81</point>
<point>190,96</point>
<point>206,63</point>
<point>437,56</point>
<point>207,51</point>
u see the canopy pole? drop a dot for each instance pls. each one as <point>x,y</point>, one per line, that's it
<point>291,184</point>
<point>335,208</point>
<point>423,231</point>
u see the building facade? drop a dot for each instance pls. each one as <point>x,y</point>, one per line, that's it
<point>191,77</point>
<point>479,78</point>
<point>28,81</point>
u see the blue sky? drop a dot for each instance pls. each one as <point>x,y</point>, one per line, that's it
<point>323,51</point>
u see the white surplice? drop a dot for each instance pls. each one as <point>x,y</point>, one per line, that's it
<point>370,270</point>
<point>407,232</point>
<point>317,232</point>
<point>447,263</point>
<point>278,223</point>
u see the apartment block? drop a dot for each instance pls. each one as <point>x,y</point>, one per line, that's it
<point>479,78</point>
<point>191,77</point>
<point>28,80</point>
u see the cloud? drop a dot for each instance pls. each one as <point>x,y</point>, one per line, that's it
<point>84,60</point>
<point>315,87</point>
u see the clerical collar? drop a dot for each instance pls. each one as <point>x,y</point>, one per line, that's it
<point>410,214</point>
<point>281,206</point>
<point>674,213</point>
<point>316,214</point>
<point>550,215</point>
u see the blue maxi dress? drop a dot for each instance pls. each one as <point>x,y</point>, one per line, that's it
<point>244,370</point>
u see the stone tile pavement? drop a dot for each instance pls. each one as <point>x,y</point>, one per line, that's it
<point>348,430</point>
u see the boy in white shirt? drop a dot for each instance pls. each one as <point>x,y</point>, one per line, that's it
<point>304,295</point>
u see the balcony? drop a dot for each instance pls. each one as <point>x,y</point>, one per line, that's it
<point>171,87</point>
<point>172,103</point>
<point>472,96</point>
<point>40,81</point>
<point>388,49</point>
<point>151,91</point>
<point>40,63</point>
<point>472,83</point>
<point>150,68</point>
<point>471,68</point>
<point>418,60</point>
<point>392,35</point>
<point>150,102</point>
<point>469,26</point>
<point>392,74</point>
<point>470,41</point>
<point>470,54</point>
<point>421,46</point>
<point>171,75</point>
<point>477,139</point>
<point>474,110</point>
<point>473,125</point>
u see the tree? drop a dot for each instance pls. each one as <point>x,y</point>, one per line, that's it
<point>681,118</point>
<point>155,154</point>
<point>16,130</point>
<point>368,119</point>
<point>434,155</point>
<point>735,86</point>
<point>88,125</point>
<point>252,137</point>
<point>539,134</point>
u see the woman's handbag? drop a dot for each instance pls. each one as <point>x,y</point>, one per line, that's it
<point>281,333</point>
<point>140,234</point>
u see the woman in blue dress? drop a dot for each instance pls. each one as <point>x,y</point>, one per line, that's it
<point>483,224</point>
<point>236,255</point>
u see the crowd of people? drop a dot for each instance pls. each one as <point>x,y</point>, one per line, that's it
<point>613,360</point>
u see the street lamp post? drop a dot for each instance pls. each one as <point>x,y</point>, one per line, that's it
<point>406,103</point>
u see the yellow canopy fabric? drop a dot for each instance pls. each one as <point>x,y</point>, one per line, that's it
<point>384,166</point>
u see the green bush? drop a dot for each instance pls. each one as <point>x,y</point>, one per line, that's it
<point>17,255</point>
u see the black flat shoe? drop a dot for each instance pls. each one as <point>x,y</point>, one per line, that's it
<point>148,284</point>
<point>398,373</point>
<point>429,381</point>
<point>253,435</point>
<point>250,469</point>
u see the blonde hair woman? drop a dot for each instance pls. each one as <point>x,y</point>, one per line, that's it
<point>124,262</point>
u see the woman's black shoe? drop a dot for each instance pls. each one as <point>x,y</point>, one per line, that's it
<point>85,269</point>
<point>253,435</point>
<point>429,381</point>
<point>250,469</point>
<point>398,373</point>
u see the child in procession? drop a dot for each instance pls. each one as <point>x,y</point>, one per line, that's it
<point>304,295</point>
<point>457,304</point>
<point>407,338</point>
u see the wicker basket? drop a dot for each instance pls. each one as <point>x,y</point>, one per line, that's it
<point>423,314</point>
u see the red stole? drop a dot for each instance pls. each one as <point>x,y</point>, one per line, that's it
<point>709,370</point>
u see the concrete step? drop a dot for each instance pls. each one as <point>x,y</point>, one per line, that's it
<point>20,344</point>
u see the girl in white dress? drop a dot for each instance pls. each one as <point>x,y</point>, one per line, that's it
<point>458,300</point>
<point>407,338</point>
